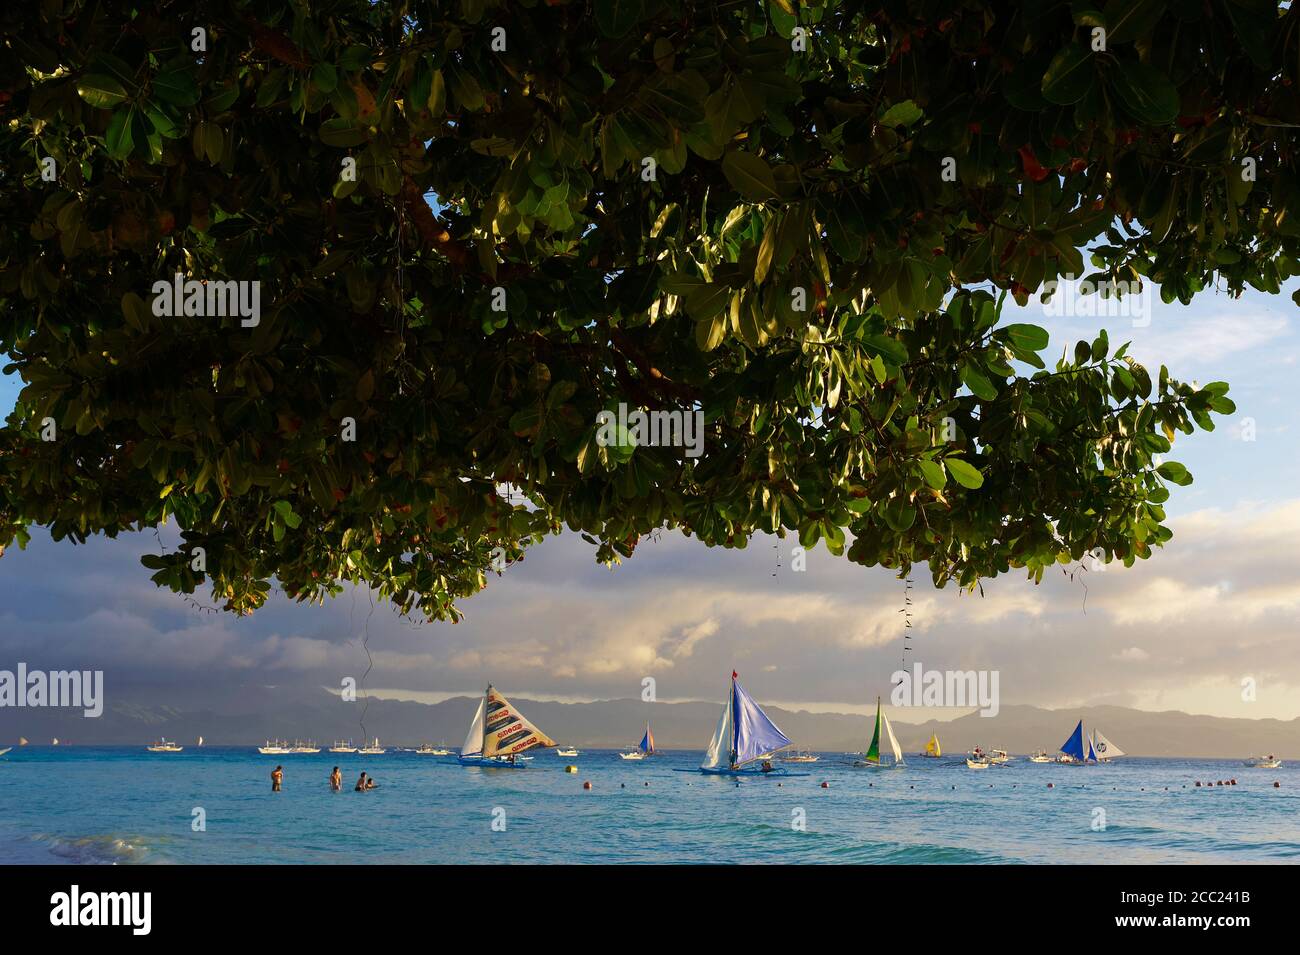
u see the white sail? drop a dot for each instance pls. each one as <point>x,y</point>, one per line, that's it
<point>474,741</point>
<point>893,742</point>
<point>719,752</point>
<point>1104,748</point>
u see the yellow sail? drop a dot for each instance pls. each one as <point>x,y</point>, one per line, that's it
<point>932,747</point>
<point>505,731</point>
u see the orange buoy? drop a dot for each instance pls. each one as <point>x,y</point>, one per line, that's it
<point>825,784</point>
<point>587,784</point>
<point>1051,785</point>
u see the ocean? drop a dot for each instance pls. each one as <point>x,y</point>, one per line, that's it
<point>105,805</point>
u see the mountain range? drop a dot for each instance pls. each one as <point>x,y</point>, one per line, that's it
<point>259,713</point>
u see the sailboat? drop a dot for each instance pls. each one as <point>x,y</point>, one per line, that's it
<point>744,735</point>
<point>932,749</point>
<point>343,746</point>
<point>1078,749</point>
<point>200,740</point>
<point>644,748</point>
<point>22,741</point>
<point>5,750</point>
<point>374,749</point>
<point>499,734</point>
<point>872,756</point>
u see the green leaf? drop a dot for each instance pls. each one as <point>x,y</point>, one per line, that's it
<point>1069,76</point>
<point>964,474</point>
<point>343,132</point>
<point>901,114</point>
<point>1028,337</point>
<point>933,474</point>
<point>100,91</point>
<point>749,175</point>
<point>1146,92</point>
<point>118,135</point>
<point>178,88</point>
<point>976,381</point>
<point>615,18</point>
<point>1175,472</point>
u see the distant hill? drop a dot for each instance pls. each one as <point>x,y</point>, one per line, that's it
<point>261,712</point>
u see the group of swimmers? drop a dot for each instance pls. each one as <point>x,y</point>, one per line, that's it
<point>336,781</point>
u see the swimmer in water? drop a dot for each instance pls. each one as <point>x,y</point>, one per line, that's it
<point>361,784</point>
<point>370,782</point>
<point>277,777</point>
<point>336,780</point>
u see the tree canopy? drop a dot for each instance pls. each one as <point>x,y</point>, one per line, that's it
<point>475,225</point>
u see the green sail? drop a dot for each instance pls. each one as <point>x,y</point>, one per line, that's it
<point>873,751</point>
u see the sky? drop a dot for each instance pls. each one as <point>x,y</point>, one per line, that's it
<point>1217,606</point>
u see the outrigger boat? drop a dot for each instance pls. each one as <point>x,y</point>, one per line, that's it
<point>1078,749</point>
<point>570,751</point>
<point>277,748</point>
<point>744,735</point>
<point>644,748</point>
<point>804,757</point>
<point>374,749</point>
<point>1103,749</point>
<point>499,734</point>
<point>871,758</point>
<point>343,747</point>
<point>932,749</point>
<point>162,746</point>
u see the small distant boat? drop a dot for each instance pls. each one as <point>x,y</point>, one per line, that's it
<point>1258,762</point>
<point>566,752</point>
<point>276,748</point>
<point>55,741</point>
<point>932,748</point>
<point>200,740</point>
<point>374,749</point>
<point>804,757</point>
<point>978,762</point>
<point>644,748</point>
<point>871,758</point>
<point>1000,757</point>
<point>22,741</point>
<point>1041,757</point>
<point>744,735</point>
<point>343,747</point>
<point>162,746</point>
<point>426,750</point>
<point>499,735</point>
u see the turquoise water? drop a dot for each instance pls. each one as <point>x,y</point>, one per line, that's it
<point>125,805</point>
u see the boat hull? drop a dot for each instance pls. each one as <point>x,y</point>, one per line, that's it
<point>490,762</point>
<point>784,773</point>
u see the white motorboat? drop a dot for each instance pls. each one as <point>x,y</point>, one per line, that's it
<point>978,762</point>
<point>566,752</point>
<point>635,754</point>
<point>1264,762</point>
<point>163,746</point>
<point>1000,756</point>
<point>374,749</point>
<point>426,750</point>
<point>1041,757</point>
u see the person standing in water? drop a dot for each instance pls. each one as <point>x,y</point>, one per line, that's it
<point>277,777</point>
<point>336,780</point>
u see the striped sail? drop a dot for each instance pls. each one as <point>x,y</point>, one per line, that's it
<point>647,744</point>
<point>505,730</point>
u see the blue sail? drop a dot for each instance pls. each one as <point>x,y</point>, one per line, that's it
<point>754,733</point>
<point>1092,753</point>
<point>647,744</point>
<point>1074,745</point>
